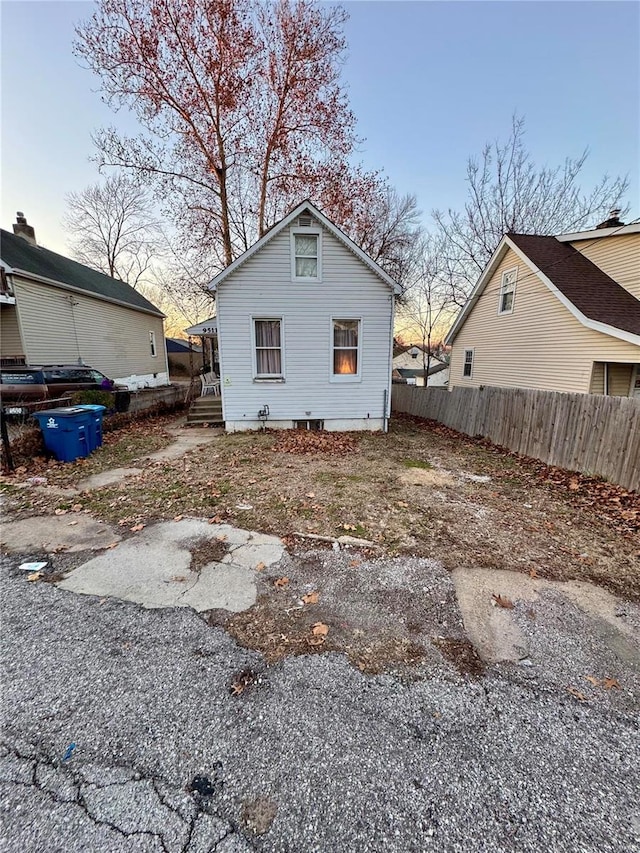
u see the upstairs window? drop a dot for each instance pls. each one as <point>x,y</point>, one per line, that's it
<point>305,255</point>
<point>507,291</point>
<point>346,340</point>
<point>268,348</point>
<point>467,367</point>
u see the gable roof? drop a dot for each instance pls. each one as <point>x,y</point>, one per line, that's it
<point>23,257</point>
<point>593,297</point>
<point>333,229</point>
<point>178,345</point>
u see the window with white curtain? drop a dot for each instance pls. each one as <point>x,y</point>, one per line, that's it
<point>305,256</point>
<point>346,340</point>
<point>268,348</point>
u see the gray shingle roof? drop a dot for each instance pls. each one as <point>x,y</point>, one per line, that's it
<point>19,254</point>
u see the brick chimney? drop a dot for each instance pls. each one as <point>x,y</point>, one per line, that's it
<point>23,229</point>
<point>613,221</point>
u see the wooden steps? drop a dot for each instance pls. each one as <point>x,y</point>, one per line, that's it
<point>206,411</point>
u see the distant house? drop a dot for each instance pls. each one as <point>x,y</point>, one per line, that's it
<point>56,311</point>
<point>183,358</point>
<point>304,329</point>
<point>409,362</point>
<point>555,313</point>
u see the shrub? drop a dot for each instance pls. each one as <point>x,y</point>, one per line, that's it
<point>94,398</point>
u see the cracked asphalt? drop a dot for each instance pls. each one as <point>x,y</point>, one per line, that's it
<point>323,757</point>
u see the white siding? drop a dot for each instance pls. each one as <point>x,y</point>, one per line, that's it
<point>262,287</point>
<point>539,345</point>
<point>61,326</point>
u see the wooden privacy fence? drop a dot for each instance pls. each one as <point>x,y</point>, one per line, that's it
<point>593,434</point>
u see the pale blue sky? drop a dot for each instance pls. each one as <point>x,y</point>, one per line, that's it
<point>429,82</point>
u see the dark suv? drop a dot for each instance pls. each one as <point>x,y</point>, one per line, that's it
<point>27,389</point>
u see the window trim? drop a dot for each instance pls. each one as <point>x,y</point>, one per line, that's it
<point>345,377</point>
<point>470,363</point>
<point>152,343</point>
<point>504,291</point>
<point>305,232</point>
<point>266,377</point>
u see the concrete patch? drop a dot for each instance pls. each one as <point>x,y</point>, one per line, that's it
<point>107,478</point>
<point>154,568</point>
<point>185,441</point>
<point>494,630</point>
<point>51,532</point>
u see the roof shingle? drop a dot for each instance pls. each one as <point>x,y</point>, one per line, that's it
<point>19,254</point>
<point>584,284</point>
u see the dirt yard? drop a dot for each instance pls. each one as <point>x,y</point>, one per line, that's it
<point>421,490</point>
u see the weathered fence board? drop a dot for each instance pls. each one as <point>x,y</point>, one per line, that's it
<point>590,433</point>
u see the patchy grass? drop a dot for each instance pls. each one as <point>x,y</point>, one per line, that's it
<point>527,517</point>
<point>417,463</point>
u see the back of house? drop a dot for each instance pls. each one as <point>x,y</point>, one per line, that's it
<point>555,313</point>
<point>305,331</point>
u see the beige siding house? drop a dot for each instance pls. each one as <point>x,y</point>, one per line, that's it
<point>554,313</point>
<point>56,311</point>
<point>305,330</point>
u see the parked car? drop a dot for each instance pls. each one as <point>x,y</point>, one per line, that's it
<point>24,390</point>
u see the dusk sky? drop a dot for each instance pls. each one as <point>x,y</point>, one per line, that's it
<point>430,83</point>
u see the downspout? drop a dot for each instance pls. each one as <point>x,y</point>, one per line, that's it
<point>386,412</point>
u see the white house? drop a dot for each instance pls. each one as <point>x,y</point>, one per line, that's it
<point>305,330</point>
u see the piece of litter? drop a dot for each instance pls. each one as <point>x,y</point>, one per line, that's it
<point>69,752</point>
<point>31,567</point>
<point>37,481</point>
<point>244,506</point>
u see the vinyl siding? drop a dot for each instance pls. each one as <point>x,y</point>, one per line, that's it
<point>262,287</point>
<point>597,378</point>
<point>10,342</point>
<point>60,326</point>
<point>540,345</point>
<point>618,256</point>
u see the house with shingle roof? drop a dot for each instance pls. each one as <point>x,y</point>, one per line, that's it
<point>555,313</point>
<point>54,310</point>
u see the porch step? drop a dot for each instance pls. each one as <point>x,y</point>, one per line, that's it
<point>201,420</point>
<point>205,410</point>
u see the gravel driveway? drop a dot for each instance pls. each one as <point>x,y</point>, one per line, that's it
<point>313,755</point>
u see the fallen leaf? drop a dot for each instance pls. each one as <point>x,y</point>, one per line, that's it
<point>136,528</point>
<point>217,519</point>
<point>179,578</point>
<point>574,485</point>
<point>577,694</point>
<point>76,507</point>
<point>311,598</point>
<point>348,527</point>
<point>71,523</point>
<point>178,517</point>
<point>592,680</point>
<point>608,683</point>
<point>403,504</point>
<point>113,545</point>
<point>502,601</point>
<point>310,495</point>
<point>354,563</point>
<point>320,629</point>
<point>260,567</point>
<point>35,576</point>
<point>280,583</point>
<point>533,573</point>
<point>221,538</point>
<point>61,511</point>
<point>316,641</point>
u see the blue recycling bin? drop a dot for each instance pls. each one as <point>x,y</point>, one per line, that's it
<point>95,424</point>
<point>66,431</point>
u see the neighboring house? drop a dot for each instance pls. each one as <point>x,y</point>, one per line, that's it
<point>305,330</point>
<point>409,362</point>
<point>555,313</point>
<point>54,311</point>
<point>182,358</point>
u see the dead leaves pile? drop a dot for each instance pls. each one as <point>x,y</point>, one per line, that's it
<point>309,441</point>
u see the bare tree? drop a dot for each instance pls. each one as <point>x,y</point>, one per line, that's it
<point>427,308</point>
<point>112,228</point>
<point>508,192</point>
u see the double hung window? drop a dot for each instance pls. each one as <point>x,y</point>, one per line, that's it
<point>268,348</point>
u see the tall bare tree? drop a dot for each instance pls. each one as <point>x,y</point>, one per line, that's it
<point>241,106</point>
<point>112,228</point>
<point>507,191</point>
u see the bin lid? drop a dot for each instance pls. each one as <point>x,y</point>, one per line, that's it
<point>91,407</point>
<point>62,412</point>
